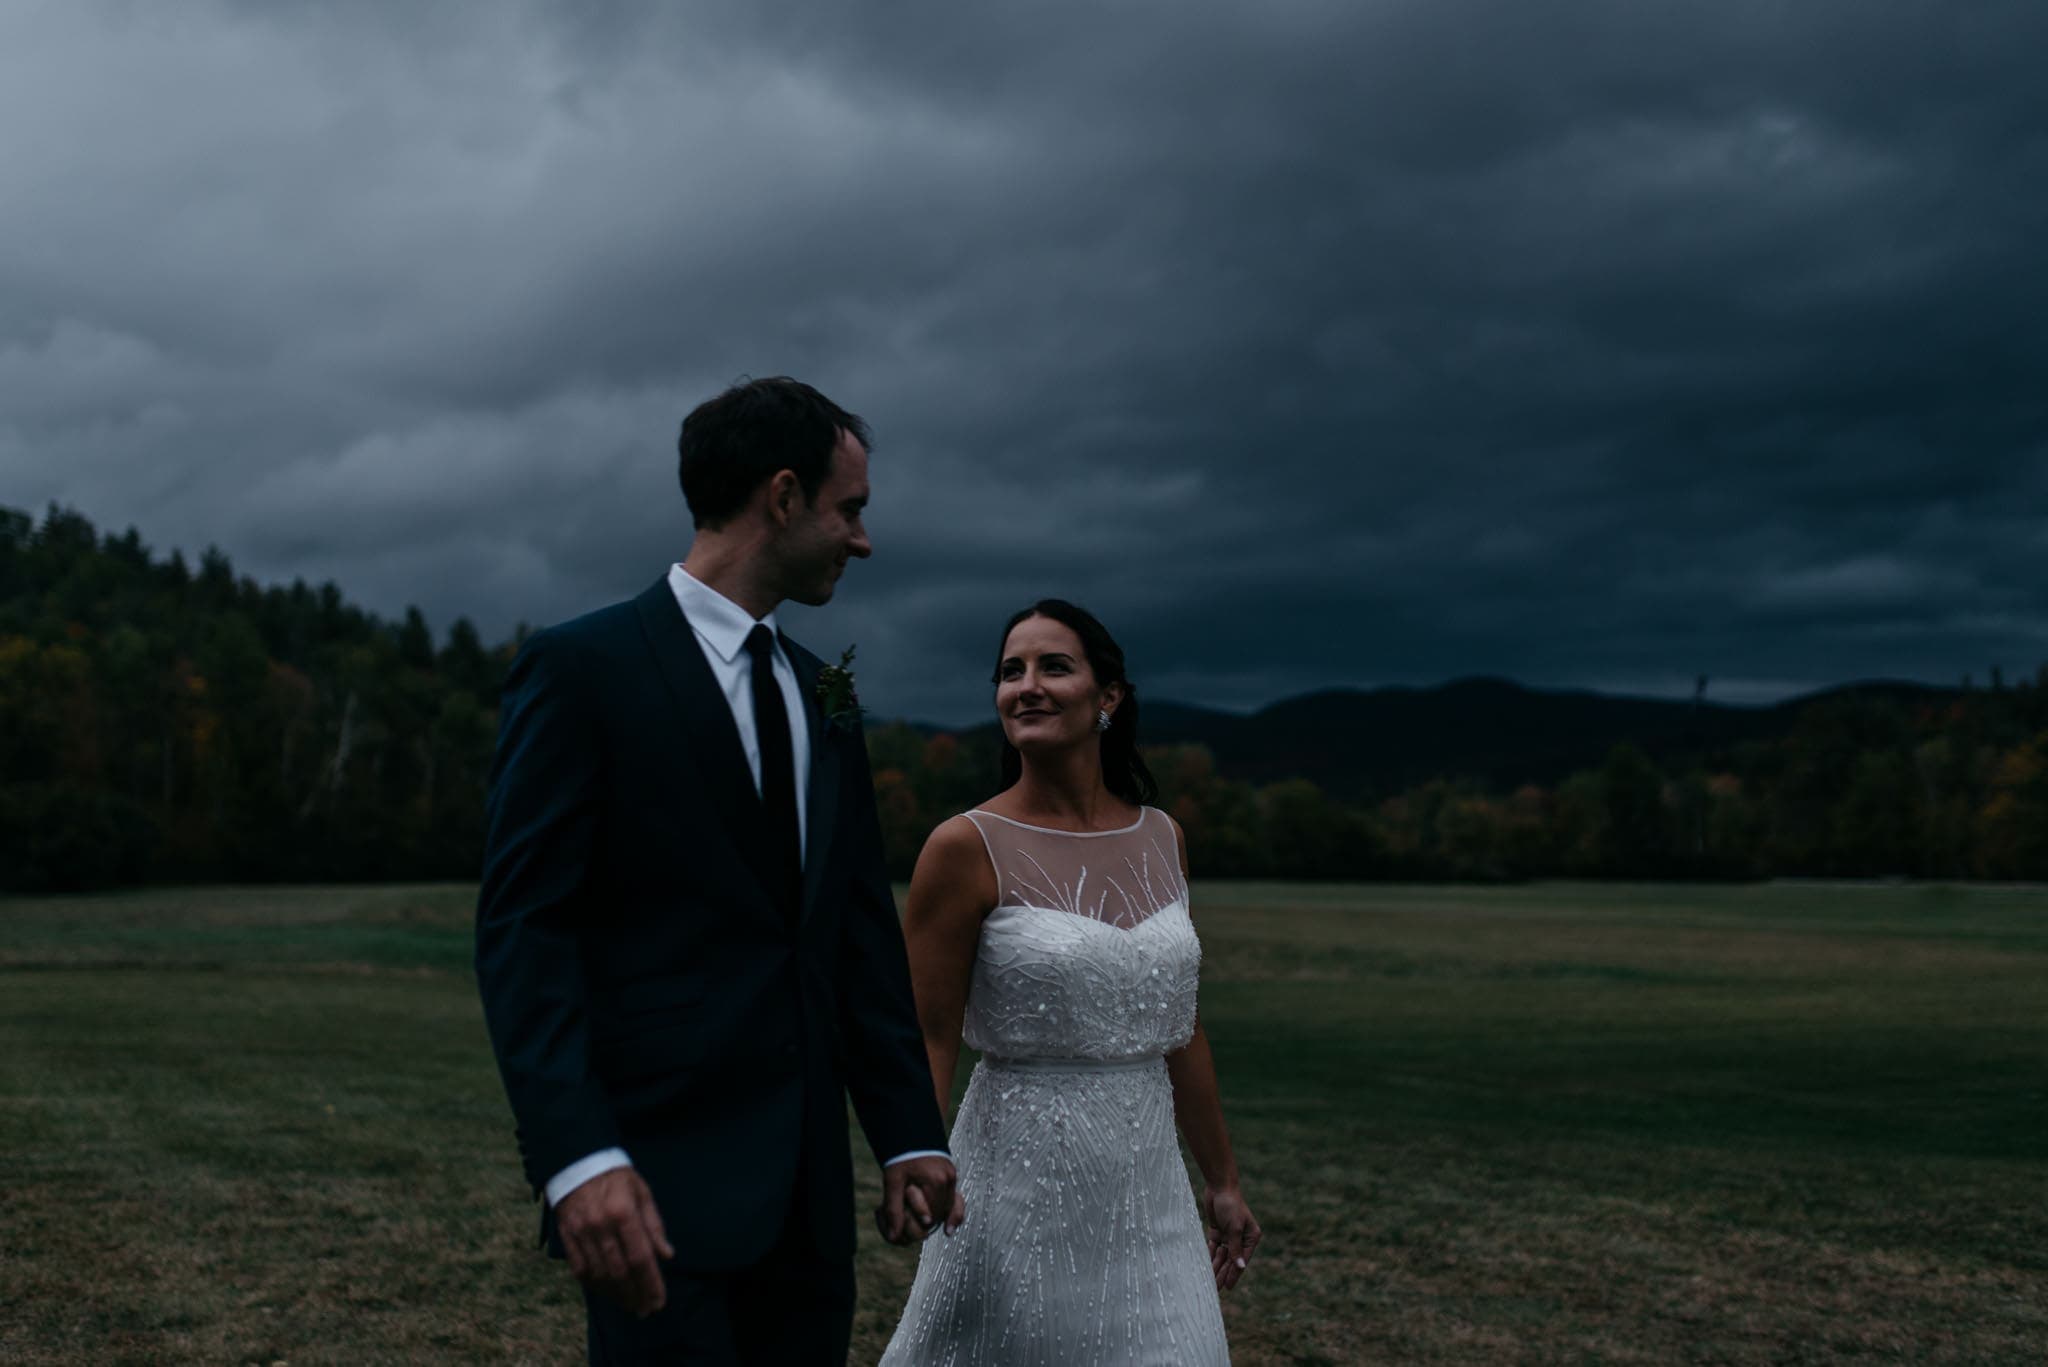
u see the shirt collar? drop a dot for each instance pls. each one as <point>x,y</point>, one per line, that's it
<point>722,623</point>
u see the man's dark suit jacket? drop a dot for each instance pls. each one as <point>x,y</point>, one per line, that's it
<point>645,987</point>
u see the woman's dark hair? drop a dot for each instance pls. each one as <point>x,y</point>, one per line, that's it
<point>1123,768</point>
<point>732,444</point>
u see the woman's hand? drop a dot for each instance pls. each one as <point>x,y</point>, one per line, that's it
<point>1233,1233</point>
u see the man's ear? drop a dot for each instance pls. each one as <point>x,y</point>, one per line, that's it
<point>785,493</point>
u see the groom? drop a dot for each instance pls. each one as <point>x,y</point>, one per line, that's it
<point>686,942</point>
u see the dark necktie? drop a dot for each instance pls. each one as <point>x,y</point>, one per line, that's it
<point>778,767</point>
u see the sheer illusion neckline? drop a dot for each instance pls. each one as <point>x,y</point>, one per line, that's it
<point>1113,927</point>
<point>1054,830</point>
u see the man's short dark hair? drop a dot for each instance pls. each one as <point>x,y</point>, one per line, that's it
<point>735,443</point>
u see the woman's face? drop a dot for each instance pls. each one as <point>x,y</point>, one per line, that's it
<point>1046,694</point>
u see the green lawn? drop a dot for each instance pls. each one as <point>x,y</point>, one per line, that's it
<point>1558,1124</point>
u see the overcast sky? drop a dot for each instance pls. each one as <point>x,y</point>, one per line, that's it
<point>1310,344</point>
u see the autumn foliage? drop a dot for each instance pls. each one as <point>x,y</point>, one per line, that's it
<point>165,723</point>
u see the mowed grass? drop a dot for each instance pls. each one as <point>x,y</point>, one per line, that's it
<point>1557,1124</point>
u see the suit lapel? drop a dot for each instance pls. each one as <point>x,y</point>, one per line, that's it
<point>713,736</point>
<point>821,799</point>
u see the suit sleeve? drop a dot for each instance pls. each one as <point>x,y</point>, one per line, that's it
<point>541,823</point>
<point>887,1073</point>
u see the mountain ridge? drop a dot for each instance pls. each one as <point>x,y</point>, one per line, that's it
<point>1368,742</point>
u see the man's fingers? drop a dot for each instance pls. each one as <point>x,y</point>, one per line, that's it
<point>649,1291</point>
<point>943,1204</point>
<point>643,1288</point>
<point>919,1208</point>
<point>650,1219</point>
<point>919,1197</point>
<point>891,1214</point>
<point>608,1260</point>
<point>612,1233</point>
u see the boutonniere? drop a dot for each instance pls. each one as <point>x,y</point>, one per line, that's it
<point>836,693</point>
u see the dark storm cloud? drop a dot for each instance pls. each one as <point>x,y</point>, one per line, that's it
<point>1313,344</point>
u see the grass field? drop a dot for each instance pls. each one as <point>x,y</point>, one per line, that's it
<point>1559,1124</point>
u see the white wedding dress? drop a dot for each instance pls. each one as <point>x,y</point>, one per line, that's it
<point>1082,1245</point>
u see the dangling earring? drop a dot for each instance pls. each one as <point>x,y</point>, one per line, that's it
<point>1102,720</point>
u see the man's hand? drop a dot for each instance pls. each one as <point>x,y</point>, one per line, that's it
<point>613,1234</point>
<point>913,1193</point>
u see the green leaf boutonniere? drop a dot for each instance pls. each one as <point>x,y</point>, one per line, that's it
<point>836,693</point>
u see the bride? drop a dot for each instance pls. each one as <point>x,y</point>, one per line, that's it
<point>1050,927</point>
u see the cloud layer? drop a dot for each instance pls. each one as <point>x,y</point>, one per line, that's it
<point>1312,344</point>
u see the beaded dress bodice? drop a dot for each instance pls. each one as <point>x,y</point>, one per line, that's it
<point>1089,952</point>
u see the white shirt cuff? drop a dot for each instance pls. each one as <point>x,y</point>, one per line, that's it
<point>918,1153</point>
<point>582,1170</point>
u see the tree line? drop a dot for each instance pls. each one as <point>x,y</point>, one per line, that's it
<point>1860,788</point>
<point>161,721</point>
<point>166,722</point>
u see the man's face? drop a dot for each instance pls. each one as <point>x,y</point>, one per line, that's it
<point>824,535</point>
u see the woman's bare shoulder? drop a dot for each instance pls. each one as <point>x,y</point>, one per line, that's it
<point>956,837</point>
<point>954,867</point>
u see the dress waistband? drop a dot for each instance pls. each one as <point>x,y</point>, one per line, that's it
<point>1069,1065</point>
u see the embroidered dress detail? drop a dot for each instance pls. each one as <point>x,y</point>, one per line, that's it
<point>1136,874</point>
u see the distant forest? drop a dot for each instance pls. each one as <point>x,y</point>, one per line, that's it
<point>166,722</point>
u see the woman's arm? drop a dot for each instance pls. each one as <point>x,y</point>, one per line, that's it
<point>1198,1110</point>
<point>952,889</point>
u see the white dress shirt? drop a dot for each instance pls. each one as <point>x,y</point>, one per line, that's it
<point>721,627</point>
